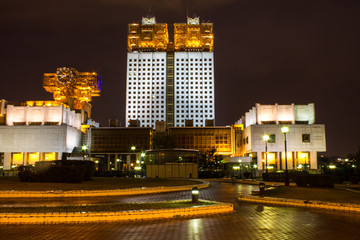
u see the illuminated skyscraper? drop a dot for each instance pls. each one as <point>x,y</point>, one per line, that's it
<point>170,81</point>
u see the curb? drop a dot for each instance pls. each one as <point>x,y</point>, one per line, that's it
<point>344,207</point>
<point>97,193</point>
<point>86,217</point>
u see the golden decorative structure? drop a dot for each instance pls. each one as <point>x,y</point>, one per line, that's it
<point>73,88</point>
<point>148,35</point>
<point>152,36</point>
<point>193,36</point>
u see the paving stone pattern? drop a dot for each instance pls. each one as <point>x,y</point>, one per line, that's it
<point>246,222</point>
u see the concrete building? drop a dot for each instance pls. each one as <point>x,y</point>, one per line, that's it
<point>37,131</point>
<point>170,81</point>
<point>305,138</point>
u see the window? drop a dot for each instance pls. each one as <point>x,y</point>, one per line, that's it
<point>306,138</point>
<point>271,138</point>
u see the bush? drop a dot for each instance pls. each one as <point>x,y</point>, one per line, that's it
<point>211,174</point>
<point>111,174</point>
<point>247,175</point>
<point>315,180</point>
<point>354,179</point>
<point>280,176</point>
<point>57,171</point>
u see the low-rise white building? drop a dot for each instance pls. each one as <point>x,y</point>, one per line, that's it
<point>37,131</point>
<point>304,138</point>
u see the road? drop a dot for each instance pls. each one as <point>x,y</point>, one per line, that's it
<point>246,222</point>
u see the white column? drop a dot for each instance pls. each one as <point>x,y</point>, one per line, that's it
<point>260,157</point>
<point>313,160</point>
<point>7,160</point>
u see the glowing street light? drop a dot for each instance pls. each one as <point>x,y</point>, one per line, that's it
<point>285,130</point>
<point>266,139</point>
<point>84,148</point>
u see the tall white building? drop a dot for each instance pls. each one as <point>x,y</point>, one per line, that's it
<point>170,81</point>
<point>194,88</point>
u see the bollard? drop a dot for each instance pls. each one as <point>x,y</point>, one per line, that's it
<point>195,195</point>
<point>261,188</point>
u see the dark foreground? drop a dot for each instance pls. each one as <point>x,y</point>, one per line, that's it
<point>246,222</point>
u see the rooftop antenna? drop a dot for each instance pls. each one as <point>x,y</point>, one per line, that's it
<point>149,14</point>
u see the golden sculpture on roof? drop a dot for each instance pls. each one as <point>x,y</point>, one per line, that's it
<point>148,36</point>
<point>73,88</point>
<point>193,36</point>
<point>151,36</point>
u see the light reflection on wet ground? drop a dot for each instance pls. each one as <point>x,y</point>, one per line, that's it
<point>246,222</point>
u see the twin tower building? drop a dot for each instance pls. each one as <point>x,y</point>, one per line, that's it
<point>170,81</point>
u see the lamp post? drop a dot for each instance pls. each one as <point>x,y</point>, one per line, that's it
<point>285,130</point>
<point>240,168</point>
<point>84,148</point>
<point>266,139</point>
<point>252,166</point>
<point>132,156</point>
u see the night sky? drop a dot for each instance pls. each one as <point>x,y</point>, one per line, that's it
<point>266,51</point>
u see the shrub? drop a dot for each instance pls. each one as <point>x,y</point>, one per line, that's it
<point>58,171</point>
<point>315,180</point>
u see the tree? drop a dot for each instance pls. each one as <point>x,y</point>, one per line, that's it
<point>207,160</point>
<point>355,158</point>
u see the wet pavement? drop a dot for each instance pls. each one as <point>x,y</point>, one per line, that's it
<point>246,222</point>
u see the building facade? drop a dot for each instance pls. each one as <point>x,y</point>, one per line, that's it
<point>221,139</point>
<point>170,81</point>
<point>304,139</point>
<point>37,131</point>
<point>118,148</point>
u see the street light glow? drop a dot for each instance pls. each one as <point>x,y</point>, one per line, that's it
<point>266,138</point>
<point>284,129</point>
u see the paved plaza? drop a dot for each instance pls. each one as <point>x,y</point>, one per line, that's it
<point>246,222</point>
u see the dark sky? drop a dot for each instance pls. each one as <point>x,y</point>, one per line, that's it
<point>266,51</point>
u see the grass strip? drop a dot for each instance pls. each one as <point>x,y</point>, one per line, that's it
<point>107,207</point>
<point>315,194</point>
<point>97,183</point>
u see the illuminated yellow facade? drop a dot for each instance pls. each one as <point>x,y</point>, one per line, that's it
<point>152,36</point>
<point>44,103</point>
<point>148,35</point>
<point>73,88</point>
<point>33,157</point>
<point>17,158</point>
<point>193,35</point>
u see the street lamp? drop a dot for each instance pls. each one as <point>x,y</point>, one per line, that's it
<point>285,130</point>
<point>84,148</point>
<point>240,168</point>
<point>266,139</point>
<point>252,166</point>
